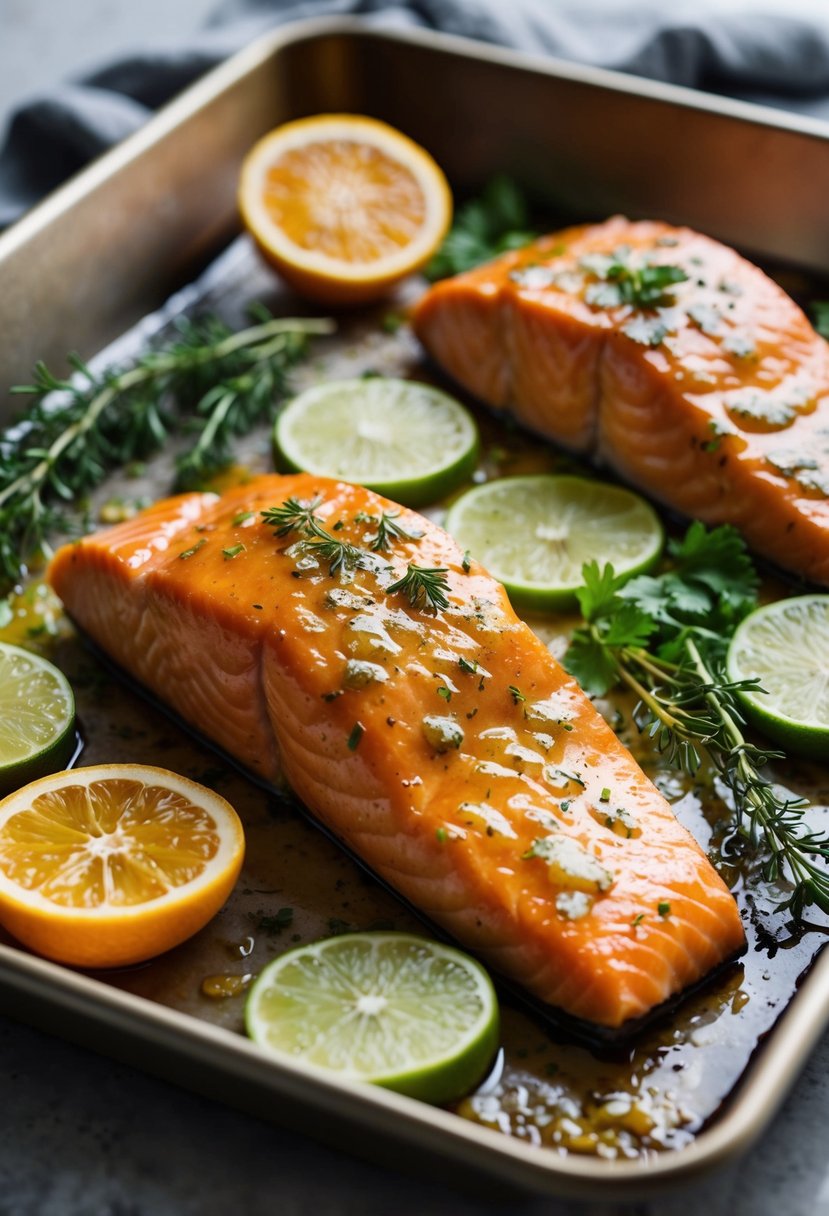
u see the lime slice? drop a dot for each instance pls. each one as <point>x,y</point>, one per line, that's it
<point>37,711</point>
<point>786,646</point>
<point>391,1008</point>
<point>535,534</point>
<point>400,438</point>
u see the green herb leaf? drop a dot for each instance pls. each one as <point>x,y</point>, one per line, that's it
<point>206,381</point>
<point>483,228</point>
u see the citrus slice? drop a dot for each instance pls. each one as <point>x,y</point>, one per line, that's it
<point>786,646</point>
<point>535,534</point>
<point>111,865</point>
<point>37,712</point>
<point>391,1008</point>
<point>343,206</point>
<point>398,437</point>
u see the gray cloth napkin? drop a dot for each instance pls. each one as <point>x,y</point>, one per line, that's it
<point>773,51</point>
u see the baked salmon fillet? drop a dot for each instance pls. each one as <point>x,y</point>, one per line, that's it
<point>433,733</point>
<point>665,356</point>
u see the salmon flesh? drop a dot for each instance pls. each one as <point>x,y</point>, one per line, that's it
<point>709,392</point>
<point>441,742</point>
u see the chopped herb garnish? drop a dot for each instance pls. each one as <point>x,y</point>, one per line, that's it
<point>337,926</point>
<point>570,776</point>
<point>643,285</point>
<point>605,795</point>
<point>516,694</point>
<point>424,587</point>
<point>258,607</point>
<point>637,920</point>
<point>233,551</point>
<point>445,693</point>
<point>189,552</point>
<point>466,563</point>
<point>241,518</point>
<point>465,665</point>
<point>357,732</point>
<point>276,923</point>
<point>663,908</point>
<point>442,835</point>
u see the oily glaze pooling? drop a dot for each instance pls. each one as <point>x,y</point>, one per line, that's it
<point>489,792</point>
<point>713,398</point>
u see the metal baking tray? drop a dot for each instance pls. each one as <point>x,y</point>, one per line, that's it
<point>142,222</point>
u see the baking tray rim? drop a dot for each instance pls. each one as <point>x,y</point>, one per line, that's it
<point>528,1166</point>
<point>764,1084</point>
<point>312,29</point>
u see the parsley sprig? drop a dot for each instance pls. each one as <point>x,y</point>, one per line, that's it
<point>665,637</point>
<point>483,228</point>
<point>207,381</point>
<point>625,280</point>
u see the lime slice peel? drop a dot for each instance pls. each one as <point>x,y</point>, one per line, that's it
<point>785,645</point>
<point>401,438</point>
<point>37,710</point>
<point>393,1009</point>
<point>534,534</point>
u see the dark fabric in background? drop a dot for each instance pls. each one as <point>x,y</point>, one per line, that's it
<point>776,53</point>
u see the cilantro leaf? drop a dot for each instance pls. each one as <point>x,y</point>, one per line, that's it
<point>598,595</point>
<point>628,625</point>
<point>719,559</point>
<point>591,663</point>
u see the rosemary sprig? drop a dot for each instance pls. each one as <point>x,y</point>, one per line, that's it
<point>666,638</point>
<point>75,430</point>
<point>425,587</point>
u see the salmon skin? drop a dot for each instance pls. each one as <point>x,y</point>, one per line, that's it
<point>441,742</point>
<point>711,393</point>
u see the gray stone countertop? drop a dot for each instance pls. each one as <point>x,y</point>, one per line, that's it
<point>83,1136</point>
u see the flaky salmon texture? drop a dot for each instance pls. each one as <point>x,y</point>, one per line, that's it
<point>443,745</point>
<point>711,394</point>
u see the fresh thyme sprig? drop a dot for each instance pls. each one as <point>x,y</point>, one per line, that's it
<point>75,430</point>
<point>295,516</point>
<point>425,587</point>
<point>389,530</point>
<point>291,516</point>
<point>666,638</point>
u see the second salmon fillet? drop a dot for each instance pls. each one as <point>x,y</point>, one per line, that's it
<point>438,739</point>
<point>667,357</point>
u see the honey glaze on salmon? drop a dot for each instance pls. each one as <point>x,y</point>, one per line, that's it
<point>664,355</point>
<point>442,743</point>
